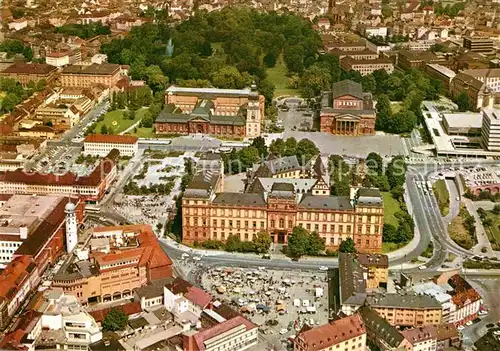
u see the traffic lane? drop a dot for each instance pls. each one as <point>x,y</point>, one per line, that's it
<point>441,232</point>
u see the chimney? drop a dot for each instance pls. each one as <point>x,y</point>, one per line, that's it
<point>23,232</point>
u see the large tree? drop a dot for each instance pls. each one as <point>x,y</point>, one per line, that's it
<point>314,80</point>
<point>463,102</point>
<point>383,112</point>
<point>347,246</point>
<point>298,242</point>
<point>262,242</point>
<point>375,163</point>
<point>115,320</point>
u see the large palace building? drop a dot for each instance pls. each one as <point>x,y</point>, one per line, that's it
<point>346,110</point>
<point>225,112</point>
<point>280,195</point>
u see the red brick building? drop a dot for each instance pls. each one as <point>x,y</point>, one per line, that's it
<point>346,110</point>
<point>225,112</point>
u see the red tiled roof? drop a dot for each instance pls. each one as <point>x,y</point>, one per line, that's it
<point>333,333</point>
<point>420,334</point>
<point>12,341</point>
<point>56,54</point>
<point>113,139</point>
<point>192,293</point>
<point>150,252</point>
<point>14,275</point>
<point>218,329</point>
<point>128,309</point>
<point>463,291</point>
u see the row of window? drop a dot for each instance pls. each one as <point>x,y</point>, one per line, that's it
<point>5,244</point>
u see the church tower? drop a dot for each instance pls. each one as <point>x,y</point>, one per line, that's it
<point>71,226</point>
<point>253,114</point>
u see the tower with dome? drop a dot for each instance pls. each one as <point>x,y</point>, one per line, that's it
<point>71,226</point>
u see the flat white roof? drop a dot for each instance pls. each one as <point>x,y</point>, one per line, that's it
<point>464,120</point>
<point>493,114</point>
<point>444,142</point>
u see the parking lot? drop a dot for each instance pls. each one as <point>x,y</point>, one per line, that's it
<point>60,160</point>
<point>280,302</point>
<point>295,115</point>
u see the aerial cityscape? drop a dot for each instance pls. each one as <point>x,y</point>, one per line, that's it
<point>263,175</point>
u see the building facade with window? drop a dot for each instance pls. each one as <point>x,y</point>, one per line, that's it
<point>346,110</point>
<point>344,334</point>
<point>225,112</point>
<point>280,206</point>
<point>101,144</point>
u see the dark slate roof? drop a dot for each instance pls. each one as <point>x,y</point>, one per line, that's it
<point>282,187</point>
<point>380,327</point>
<point>369,197</point>
<point>326,202</point>
<point>239,199</point>
<point>352,281</point>
<point>173,114</point>
<point>319,167</point>
<point>283,164</point>
<point>153,290</point>
<point>347,87</point>
<point>405,301</point>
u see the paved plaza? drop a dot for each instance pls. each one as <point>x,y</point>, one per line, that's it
<point>352,146</point>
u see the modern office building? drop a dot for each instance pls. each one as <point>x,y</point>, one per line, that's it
<point>478,44</point>
<point>90,188</point>
<point>490,131</point>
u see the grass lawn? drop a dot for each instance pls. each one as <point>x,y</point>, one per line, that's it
<point>116,121</point>
<point>459,233</point>
<point>451,257</point>
<point>143,133</point>
<point>277,75</point>
<point>493,232</point>
<point>391,206</point>
<point>442,196</point>
<point>389,247</point>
